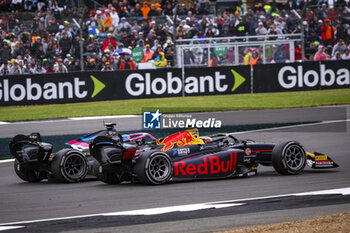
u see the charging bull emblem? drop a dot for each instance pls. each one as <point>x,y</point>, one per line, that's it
<point>183,138</point>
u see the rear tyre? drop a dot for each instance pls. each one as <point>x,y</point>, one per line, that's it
<point>69,166</point>
<point>27,173</point>
<point>154,168</point>
<point>289,158</point>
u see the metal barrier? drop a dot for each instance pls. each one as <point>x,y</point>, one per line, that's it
<point>235,50</point>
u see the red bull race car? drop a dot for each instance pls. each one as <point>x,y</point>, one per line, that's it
<point>115,158</point>
<point>185,156</point>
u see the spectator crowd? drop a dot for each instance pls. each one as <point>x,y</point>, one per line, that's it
<point>64,36</point>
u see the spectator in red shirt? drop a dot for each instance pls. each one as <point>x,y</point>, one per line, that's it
<point>107,41</point>
<point>327,33</point>
<point>297,53</point>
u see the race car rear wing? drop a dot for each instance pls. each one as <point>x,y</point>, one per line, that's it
<point>21,145</point>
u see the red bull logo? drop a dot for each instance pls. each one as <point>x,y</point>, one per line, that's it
<point>183,138</point>
<point>210,165</point>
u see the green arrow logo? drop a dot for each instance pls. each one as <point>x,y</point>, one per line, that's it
<point>98,86</point>
<point>239,79</point>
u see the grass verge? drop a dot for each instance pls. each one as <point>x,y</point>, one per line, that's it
<point>179,104</point>
<point>332,223</point>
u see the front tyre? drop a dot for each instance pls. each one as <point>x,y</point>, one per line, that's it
<point>69,166</point>
<point>154,168</point>
<point>289,158</point>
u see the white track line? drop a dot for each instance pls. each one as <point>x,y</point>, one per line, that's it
<point>10,228</point>
<point>292,126</point>
<point>70,119</point>
<point>180,208</point>
<point>7,160</point>
<point>103,117</point>
<point>191,207</point>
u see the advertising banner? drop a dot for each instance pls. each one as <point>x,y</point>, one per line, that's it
<point>157,83</point>
<point>116,85</point>
<point>301,76</point>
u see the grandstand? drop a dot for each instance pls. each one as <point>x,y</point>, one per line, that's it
<point>43,36</point>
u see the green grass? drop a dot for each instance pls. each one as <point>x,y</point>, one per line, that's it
<point>179,104</point>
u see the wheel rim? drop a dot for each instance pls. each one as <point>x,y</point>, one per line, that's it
<point>74,166</point>
<point>294,157</point>
<point>159,168</point>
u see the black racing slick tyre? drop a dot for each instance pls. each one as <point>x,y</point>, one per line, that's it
<point>69,166</point>
<point>289,158</point>
<point>154,168</point>
<point>28,173</point>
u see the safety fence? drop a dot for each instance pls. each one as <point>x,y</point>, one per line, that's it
<point>132,84</point>
<point>227,51</point>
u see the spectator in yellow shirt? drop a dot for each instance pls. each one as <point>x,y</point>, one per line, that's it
<point>107,22</point>
<point>145,9</point>
<point>160,60</point>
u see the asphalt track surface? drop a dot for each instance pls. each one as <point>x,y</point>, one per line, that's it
<point>21,201</point>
